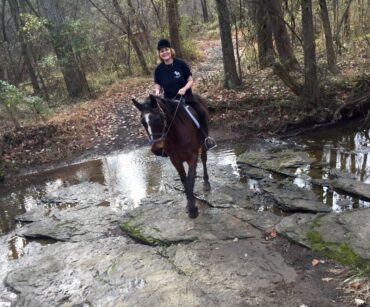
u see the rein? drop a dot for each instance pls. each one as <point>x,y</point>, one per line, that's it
<point>165,131</point>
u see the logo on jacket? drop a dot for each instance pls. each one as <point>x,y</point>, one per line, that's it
<point>177,74</point>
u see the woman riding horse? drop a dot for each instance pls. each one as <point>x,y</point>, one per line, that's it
<point>174,77</point>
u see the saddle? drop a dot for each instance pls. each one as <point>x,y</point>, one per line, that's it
<point>209,142</point>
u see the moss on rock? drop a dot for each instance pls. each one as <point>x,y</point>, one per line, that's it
<point>340,252</point>
<point>138,234</point>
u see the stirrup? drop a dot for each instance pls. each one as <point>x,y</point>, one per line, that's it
<point>209,143</point>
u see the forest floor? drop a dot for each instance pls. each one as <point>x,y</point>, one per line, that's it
<point>262,106</point>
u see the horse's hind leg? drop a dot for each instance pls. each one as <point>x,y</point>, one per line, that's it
<point>206,184</point>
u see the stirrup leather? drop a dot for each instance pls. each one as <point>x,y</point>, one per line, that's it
<point>210,143</point>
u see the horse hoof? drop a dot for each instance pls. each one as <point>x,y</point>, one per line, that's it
<point>206,186</point>
<point>193,213</point>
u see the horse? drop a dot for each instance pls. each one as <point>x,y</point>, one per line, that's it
<point>172,133</point>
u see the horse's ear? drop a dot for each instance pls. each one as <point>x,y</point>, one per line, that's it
<point>138,105</point>
<point>153,101</point>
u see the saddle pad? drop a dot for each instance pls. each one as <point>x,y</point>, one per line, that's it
<point>195,121</point>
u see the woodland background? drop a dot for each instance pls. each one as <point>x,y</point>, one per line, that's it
<point>302,63</point>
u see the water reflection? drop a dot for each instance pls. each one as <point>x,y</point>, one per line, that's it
<point>129,177</point>
<point>346,150</point>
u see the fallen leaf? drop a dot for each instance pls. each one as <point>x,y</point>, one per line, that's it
<point>355,285</point>
<point>315,262</point>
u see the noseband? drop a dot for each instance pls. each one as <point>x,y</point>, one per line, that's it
<point>154,138</point>
<point>162,136</point>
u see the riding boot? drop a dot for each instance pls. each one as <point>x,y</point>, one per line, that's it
<point>209,142</point>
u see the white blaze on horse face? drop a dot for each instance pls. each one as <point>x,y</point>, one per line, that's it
<point>147,120</point>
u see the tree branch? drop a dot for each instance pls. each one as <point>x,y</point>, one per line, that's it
<point>107,17</point>
<point>280,71</point>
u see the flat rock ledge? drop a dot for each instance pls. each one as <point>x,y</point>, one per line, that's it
<point>172,225</point>
<point>347,232</point>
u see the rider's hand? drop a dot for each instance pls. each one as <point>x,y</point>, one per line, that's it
<point>182,91</point>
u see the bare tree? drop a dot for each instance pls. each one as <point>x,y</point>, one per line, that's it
<point>26,53</point>
<point>135,43</point>
<point>174,25</point>
<point>74,76</point>
<point>282,40</point>
<point>264,33</point>
<point>231,79</point>
<point>311,90</point>
<point>341,22</point>
<point>330,53</point>
<point>205,10</point>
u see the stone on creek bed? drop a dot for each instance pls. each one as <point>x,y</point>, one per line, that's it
<point>106,272</point>
<point>91,193</point>
<point>169,223</point>
<point>290,197</point>
<point>349,228</point>
<point>164,223</point>
<point>242,273</point>
<point>74,224</point>
<point>352,186</point>
<point>113,272</point>
<point>227,190</point>
<point>280,161</point>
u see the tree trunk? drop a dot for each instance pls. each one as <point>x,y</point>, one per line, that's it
<point>73,74</point>
<point>311,92</point>
<point>290,82</point>
<point>347,24</point>
<point>140,24</point>
<point>264,35</point>
<point>174,25</point>
<point>14,8</point>
<point>205,10</point>
<point>132,38</point>
<point>159,19</point>
<point>330,53</point>
<point>282,41</point>
<point>231,77</point>
<point>342,21</point>
<point>335,16</point>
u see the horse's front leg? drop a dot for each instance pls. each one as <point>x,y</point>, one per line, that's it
<point>206,184</point>
<point>189,189</point>
<point>180,169</point>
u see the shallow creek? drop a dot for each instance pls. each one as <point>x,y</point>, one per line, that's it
<point>128,177</point>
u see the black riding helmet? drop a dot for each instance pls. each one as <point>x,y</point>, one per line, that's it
<point>163,43</point>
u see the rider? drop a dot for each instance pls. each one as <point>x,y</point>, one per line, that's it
<point>174,77</point>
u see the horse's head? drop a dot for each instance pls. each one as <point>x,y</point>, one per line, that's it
<point>153,121</point>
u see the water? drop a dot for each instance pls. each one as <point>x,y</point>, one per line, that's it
<point>127,177</point>
<point>344,149</point>
<point>130,176</point>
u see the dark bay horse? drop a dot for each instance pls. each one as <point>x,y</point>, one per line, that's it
<point>172,132</point>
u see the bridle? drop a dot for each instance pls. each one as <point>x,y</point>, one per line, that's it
<point>166,127</point>
<point>152,136</point>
